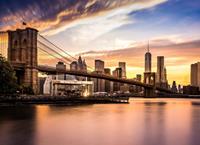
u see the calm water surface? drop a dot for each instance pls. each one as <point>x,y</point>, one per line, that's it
<point>142,122</point>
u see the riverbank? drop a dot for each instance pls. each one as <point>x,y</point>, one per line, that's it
<point>62,100</point>
<point>77,100</point>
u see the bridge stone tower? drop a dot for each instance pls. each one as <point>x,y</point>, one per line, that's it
<point>149,78</point>
<point>22,54</point>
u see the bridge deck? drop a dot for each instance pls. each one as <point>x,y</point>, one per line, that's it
<point>52,70</point>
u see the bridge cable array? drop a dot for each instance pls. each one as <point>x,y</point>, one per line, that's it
<point>54,51</point>
<point>52,55</point>
<point>58,47</point>
<point>67,60</point>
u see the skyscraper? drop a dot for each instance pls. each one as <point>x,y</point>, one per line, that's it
<point>195,74</point>
<point>174,87</point>
<point>160,69</point>
<point>79,65</point>
<point>148,60</point>
<point>107,71</point>
<point>74,65</point>
<point>60,66</point>
<point>99,65</point>
<point>139,79</point>
<point>165,74</point>
<point>99,84</point>
<point>117,73</point>
<point>122,65</point>
<point>161,76</point>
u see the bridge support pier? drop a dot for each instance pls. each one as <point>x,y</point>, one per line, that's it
<point>31,79</point>
<point>149,93</point>
<point>22,55</point>
<point>149,78</point>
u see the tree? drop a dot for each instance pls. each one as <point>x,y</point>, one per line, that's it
<point>8,80</point>
<point>26,90</point>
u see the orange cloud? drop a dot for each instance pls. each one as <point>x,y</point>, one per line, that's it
<point>56,16</point>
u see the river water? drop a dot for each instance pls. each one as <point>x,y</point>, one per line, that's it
<point>142,122</point>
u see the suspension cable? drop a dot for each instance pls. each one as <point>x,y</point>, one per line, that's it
<point>63,50</point>
<point>57,47</point>
<point>54,51</point>
<point>53,55</point>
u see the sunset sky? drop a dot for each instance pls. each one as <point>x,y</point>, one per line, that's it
<point>115,30</point>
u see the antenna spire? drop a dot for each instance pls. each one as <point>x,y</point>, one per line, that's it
<point>148,47</point>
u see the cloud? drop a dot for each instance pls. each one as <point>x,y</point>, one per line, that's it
<point>58,15</point>
<point>85,32</point>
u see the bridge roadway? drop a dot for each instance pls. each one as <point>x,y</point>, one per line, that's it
<point>53,70</point>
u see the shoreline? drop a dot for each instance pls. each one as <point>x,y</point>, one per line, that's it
<point>63,100</point>
<point>69,101</point>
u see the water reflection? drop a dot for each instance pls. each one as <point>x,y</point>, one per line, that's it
<point>154,124</point>
<point>142,122</point>
<point>17,125</point>
<point>195,127</point>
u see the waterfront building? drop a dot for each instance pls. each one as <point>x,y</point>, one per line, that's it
<point>60,66</point>
<point>79,65</point>
<point>117,73</point>
<point>165,74</point>
<point>123,87</point>
<point>139,79</point>
<point>174,87</point>
<point>68,87</point>
<point>195,74</point>
<point>122,65</point>
<point>136,89</point>
<point>191,90</point>
<point>179,89</point>
<point>99,65</point>
<point>41,81</point>
<point>161,75</point>
<point>99,84</point>
<point>160,69</point>
<point>74,65</point>
<point>148,60</point>
<point>107,71</point>
<point>47,84</point>
<point>84,65</point>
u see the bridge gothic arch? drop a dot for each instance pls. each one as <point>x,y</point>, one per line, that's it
<point>22,54</point>
<point>150,79</point>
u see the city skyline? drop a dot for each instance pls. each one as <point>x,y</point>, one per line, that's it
<point>129,26</point>
<point>99,72</point>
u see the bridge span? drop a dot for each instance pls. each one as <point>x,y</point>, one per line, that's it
<point>53,70</point>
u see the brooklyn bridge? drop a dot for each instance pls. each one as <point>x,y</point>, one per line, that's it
<point>25,46</point>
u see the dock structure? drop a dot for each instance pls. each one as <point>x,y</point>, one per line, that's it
<point>63,99</point>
